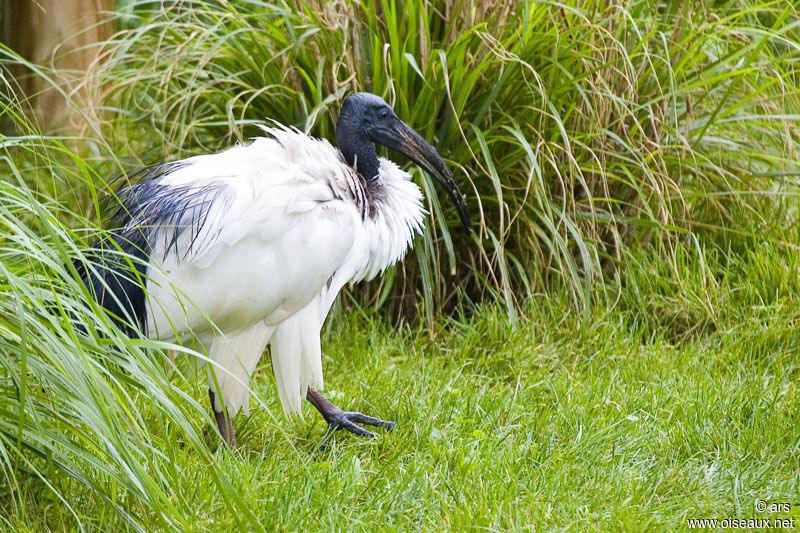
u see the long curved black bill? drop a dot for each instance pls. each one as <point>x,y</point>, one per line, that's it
<point>409,143</point>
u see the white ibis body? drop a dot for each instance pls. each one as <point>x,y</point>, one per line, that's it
<point>249,247</point>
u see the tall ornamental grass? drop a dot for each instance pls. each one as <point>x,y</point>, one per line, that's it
<point>577,130</point>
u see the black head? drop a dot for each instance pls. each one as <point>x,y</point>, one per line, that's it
<point>365,119</point>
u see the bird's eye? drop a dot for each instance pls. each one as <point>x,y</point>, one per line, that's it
<point>384,114</point>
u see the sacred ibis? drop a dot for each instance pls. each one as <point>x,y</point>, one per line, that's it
<point>250,246</point>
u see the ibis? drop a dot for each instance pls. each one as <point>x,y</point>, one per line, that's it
<point>248,248</point>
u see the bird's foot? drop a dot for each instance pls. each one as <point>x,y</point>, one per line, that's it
<point>348,420</point>
<point>337,418</point>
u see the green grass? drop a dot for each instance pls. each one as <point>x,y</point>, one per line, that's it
<point>620,345</point>
<point>598,423</point>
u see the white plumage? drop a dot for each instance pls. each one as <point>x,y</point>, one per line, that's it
<point>290,233</point>
<point>249,247</point>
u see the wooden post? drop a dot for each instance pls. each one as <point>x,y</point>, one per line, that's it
<point>57,34</point>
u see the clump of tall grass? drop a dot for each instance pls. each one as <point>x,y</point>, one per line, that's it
<point>576,130</point>
<point>84,410</point>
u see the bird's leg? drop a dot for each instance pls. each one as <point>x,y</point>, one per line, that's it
<point>339,419</point>
<point>224,422</point>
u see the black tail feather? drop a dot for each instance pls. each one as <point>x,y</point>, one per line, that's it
<point>114,270</point>
<point>147,213</point>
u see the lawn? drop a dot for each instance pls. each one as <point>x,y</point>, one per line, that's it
<point>595,421</point>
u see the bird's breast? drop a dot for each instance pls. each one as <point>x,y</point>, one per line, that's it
<point>395,217</point>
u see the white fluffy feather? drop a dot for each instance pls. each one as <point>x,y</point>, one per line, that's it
<point>288,236</point>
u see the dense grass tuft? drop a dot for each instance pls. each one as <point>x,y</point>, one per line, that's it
<point>576,132</point>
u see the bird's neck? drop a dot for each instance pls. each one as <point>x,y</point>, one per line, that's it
<point>357,150</point>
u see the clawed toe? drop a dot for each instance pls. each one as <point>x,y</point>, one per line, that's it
<point>348,420</point>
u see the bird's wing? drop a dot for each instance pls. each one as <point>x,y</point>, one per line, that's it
<point>274,231</point>
<point>187,206</point>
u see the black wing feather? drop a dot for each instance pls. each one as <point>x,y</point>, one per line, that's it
<point>143,213</point>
